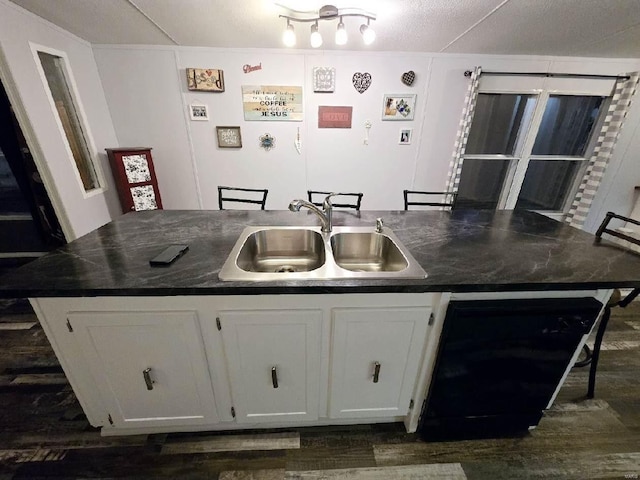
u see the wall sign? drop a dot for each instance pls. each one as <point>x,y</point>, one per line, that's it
<point>198,112</point>
<point>205,79</point>
<point>248,68</point>
<point>334,117</point>
<point>229,137</point>
<point>324,79</point>
<point>272,103</point>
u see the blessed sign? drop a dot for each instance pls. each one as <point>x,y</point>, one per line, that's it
<point>334,117</point>
<point>272,102</point>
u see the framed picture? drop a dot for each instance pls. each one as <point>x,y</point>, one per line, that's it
<point>199,112</point>
<point>229,137</point>
<point>398,106</point>
<point>405,136</point>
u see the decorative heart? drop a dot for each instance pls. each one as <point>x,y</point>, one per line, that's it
<point>361,81</point>
<point>408,77</point>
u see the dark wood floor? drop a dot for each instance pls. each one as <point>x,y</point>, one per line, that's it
<point>43,432</point>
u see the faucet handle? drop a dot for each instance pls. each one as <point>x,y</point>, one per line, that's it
<point>326,204</point>
<point>379,225</point>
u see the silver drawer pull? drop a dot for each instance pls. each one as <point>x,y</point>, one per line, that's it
<point>146,373</point>
<point>376,372</point>
<point>274,377</point>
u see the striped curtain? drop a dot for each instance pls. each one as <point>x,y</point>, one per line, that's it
<point>620,103</point>
<point>455,167</point>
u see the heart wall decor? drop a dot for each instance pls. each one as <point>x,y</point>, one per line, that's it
<point>408,77</point>
<point>361,81</point>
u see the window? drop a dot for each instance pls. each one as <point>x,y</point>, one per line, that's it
<point>63,100</point>
<point>529,149</point>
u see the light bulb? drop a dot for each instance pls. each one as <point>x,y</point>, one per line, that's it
<point>316,38</point>
<point>289,36</point>
<point>341,34</point>
<point>368,35</point>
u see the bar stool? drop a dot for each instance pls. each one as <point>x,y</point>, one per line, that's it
<point>341,202</point>
<point>421,198</point>
<point>254,196</point>
<point>616,300</point>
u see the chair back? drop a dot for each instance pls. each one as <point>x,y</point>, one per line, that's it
<point>624,233</point>
<point>255,196</point>
<point>430,199</point>
<point>341,200</point>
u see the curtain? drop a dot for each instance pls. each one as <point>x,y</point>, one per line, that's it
<point>455,167</point>
<point>620,103</point>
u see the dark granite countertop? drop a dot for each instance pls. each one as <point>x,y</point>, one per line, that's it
<point>462,251</point>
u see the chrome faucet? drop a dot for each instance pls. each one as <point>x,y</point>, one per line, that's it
<point>324,214</point>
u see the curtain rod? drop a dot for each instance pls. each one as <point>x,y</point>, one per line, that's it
<point>540,74</point>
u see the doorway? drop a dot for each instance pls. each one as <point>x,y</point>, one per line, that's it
<point>29,227</point>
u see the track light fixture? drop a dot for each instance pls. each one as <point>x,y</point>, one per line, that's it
<point>316,38</point>
<point>368,35</point>
<point>289,36</point>
<point>328,12</point>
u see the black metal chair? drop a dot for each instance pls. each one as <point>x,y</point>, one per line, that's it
<point>340,202</point>
<point>421,198</point>
<point>253,197</point>
<point>616,300</point>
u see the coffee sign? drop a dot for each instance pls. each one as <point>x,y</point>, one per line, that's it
<point>272,103</point>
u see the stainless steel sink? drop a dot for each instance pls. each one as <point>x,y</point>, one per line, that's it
<point>305,253</point>
<point>282,251</point>
<point>367,252</point>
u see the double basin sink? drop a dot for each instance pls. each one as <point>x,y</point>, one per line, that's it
<point>306,253</point>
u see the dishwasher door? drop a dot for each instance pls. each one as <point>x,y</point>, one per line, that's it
<point>499,363</point>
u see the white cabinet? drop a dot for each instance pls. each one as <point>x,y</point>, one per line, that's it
<point>273,363</point>
<point>375,358</point>
<point>149,367</point>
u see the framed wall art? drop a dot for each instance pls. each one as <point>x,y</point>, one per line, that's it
<point>324,79</point>
<point>404,137</point>
<point>205,79</point>
<point>199,112</point>
<point>229,137</point>
<point>398,106</point>
<point>272,103</point>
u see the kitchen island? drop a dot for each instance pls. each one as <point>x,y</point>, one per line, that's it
<point>177,349</point>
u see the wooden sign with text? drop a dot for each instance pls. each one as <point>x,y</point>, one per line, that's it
<point>334,117</point>
<point>272,102</point>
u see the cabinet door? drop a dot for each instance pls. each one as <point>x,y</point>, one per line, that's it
<point>273,361</point>
<point>149,367</point>
<point>375,358</point>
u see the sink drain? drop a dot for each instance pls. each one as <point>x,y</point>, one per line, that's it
<point>285,269</point>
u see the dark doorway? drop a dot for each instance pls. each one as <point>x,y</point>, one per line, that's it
<point>29,226</point>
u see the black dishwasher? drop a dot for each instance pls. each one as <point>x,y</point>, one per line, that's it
<point>499,363</point>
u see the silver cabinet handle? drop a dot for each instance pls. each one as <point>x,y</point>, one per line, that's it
<point>376,372</point>
<point>274,377</point>
<point>146,373</point>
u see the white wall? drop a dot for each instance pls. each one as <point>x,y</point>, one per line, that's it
<point>190,165</point>
<point>27,92</point>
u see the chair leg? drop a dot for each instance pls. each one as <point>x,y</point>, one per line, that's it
<point>596,351</point>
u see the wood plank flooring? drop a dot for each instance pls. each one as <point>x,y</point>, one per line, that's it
<point>44,434</point>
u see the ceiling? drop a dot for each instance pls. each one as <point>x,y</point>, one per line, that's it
<point>598,28</point>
